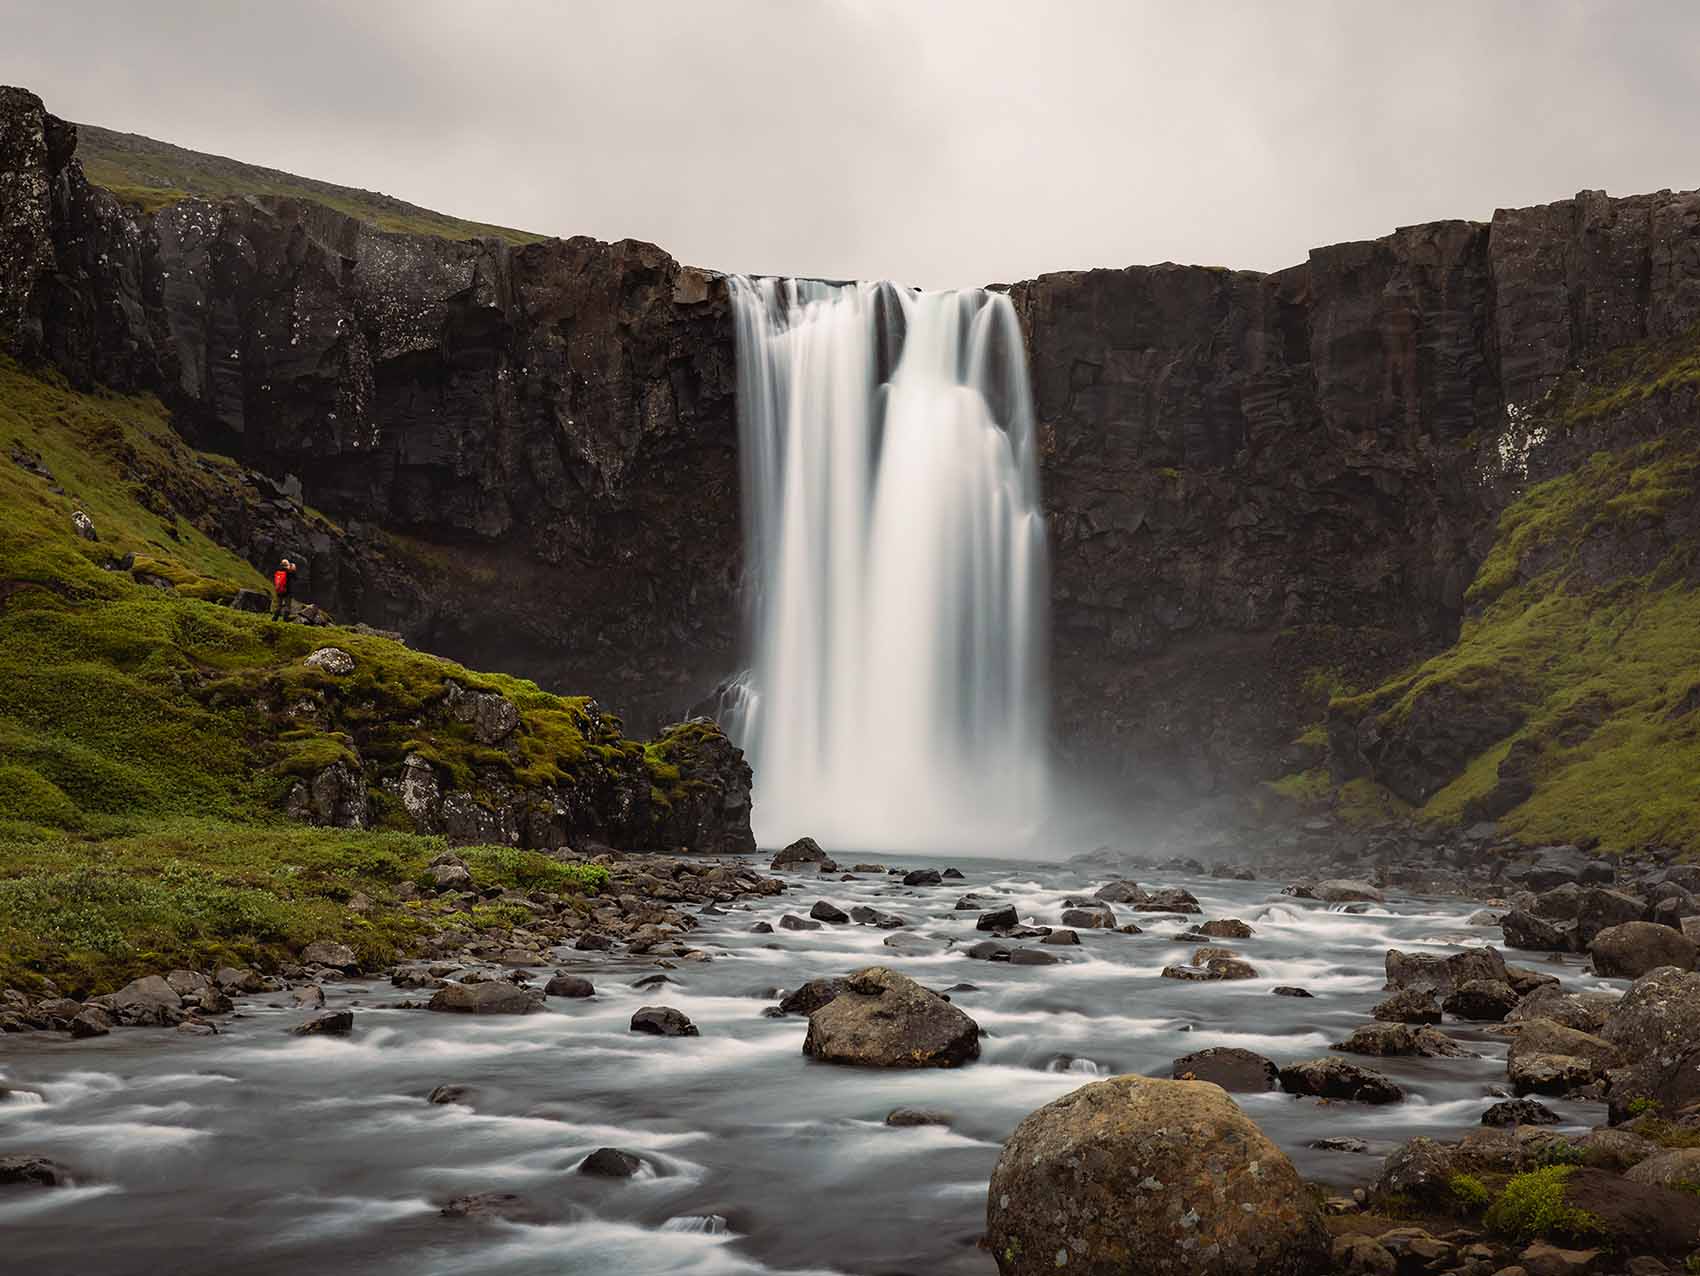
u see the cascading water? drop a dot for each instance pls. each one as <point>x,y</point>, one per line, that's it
<point>896,547</point>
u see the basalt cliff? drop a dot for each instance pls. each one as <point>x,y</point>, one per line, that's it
<point>1273,496</point>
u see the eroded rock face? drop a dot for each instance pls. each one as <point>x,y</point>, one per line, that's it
<point>1135,1174</point>
<point>886,1020</point>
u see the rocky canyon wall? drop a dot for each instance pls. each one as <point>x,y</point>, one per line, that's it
<point>1262,487</point>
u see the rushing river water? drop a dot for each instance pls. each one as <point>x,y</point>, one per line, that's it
<point>257,1152</point>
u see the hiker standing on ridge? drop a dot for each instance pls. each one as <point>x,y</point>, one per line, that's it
<point>280,585</point>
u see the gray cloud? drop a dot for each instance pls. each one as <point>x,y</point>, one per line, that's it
<point>935,141</point>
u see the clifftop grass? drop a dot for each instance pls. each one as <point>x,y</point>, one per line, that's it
<point>152,175</point>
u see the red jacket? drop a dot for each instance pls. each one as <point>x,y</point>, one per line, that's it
<point>280,581</point>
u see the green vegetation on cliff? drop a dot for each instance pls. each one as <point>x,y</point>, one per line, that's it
<point>151,175</point>
<point>151,735</point>
<point>1569,707</point>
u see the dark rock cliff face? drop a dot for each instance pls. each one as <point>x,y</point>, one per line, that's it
<point>1262,487</point>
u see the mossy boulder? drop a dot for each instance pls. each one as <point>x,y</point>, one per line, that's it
<point>1134,1174</point>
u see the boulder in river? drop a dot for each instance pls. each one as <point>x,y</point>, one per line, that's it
<point>791,921</point>
<point>810,997</point>
<point>1482,1000</point>
<point>987,950</point>
<point>1226,928</point>
<point>92,1022</point>
<point>1133,1174</point>
<point>1442,974</point>
<point>333,1023</point>
<point>826,911</point>
<point>1337,1079</point>
<point>1237,1071</point>
<point>336,956</point>
<point>492,997</point>
<point>149,1001</point>
<point>1390,1040</point>
<point>32,1171</point>
<point>805,850</point>
<point>1168,899</point>
<point>1408,1005</point>
<point>1657,1026</point>
<point>1513,1112</point>
<point>998,919</point>
<point>509,1206</point>
<point>610,1163</point>
<point>1122,891</point>
<point>923,877</point>
<point>866,916</point>
<point>562,984</point>
<point>1287,990</point>
<point>663,1021</point>
<point>1583,1011</point>
<point>887,1020</point>
<point>1061,935</point>
<point>1098,917</point>
<point>1630,950</point>
<point>1032,957</point>
<point>905,1117</point>
<point>1524,929</point>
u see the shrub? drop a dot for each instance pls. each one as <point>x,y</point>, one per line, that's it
<point>1469,1191</point>
<point>1533,1204</point>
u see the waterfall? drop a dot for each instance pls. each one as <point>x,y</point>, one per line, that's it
<point>895,546</point>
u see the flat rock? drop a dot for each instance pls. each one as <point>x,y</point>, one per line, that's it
<point>1236,1071</point>
<point>998,919</point>
<point>825,911</point>
<point>1514,1112</point>
<point>904,1117</point>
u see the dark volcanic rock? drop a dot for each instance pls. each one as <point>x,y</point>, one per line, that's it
<point>810,997</point>
<point>1484,1000</point>
<point>493,997</point>
<point>564,985</point>
<point>1337,1079</point>
<point>663,1021</point>
<point>1409,1005</point>
<point>827,912</point>
<point>1443,974</point>
<point>336,1023</point>
<point>790,921</point>
<point>903,1117</point>
<point>1519,1112</point>
<point>998,919</point>
<point>923,877</point>
<point>32,1171</point>
<point>805,850</point>
<point>610,1163</point>
<point>887,1020</point>
<point>1235,1070</point>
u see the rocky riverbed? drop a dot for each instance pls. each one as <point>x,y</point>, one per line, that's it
<point>643,1087</point>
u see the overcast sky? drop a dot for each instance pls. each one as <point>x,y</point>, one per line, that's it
<point>933,141</point>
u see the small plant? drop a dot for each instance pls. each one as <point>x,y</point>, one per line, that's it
<point>1469,1191</point>
<point>1534,1204</point>
<point>1558,1152</point>
<point>1692,1266</point>
<point>1643,1106</point>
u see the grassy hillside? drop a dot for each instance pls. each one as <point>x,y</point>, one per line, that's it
<point>148,734</point>
<point>150,175</point>
<point>1569,709</point>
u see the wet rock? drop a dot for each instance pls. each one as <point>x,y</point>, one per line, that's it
<point>336,956</point>
<point>1119,892</point>
<point>1441,975</point>
<point>912,945</point>
<point>1340,1143</point>
<point>1525,930</point>
<point>449,1094</point>
<point>1583,1011</point>
<point>1061,935</point>
<point>335,1023</point>
<point>1339,890</point>
<point>866,916</point>
<point>492,997</point>
<point>805,850</point>
<point>791,921</point>
<point>1642,1217</point>
<point>1337,1079</point>
<point>197,1028</point>
<point>987,950</point>
<point>232,980</point>
<point>1630,950</point>
<point>1525,982</point>
<point>1602,909</point>
<point>1226,928</point>
<point>590,942</point>
<point>1555,1074</point>
<point>1485,917</point>
<point>810,997</point>
<point>564,985</point>
<point>509,1206</point>
<point>1542,1259</point>
<point>308,996</point>
<point>1482,1000</point>
<point>32,1171</point>
<point>1213,968</point>
<point>1032,957</point>
<point>1395,1039</point>
<point>1099,918</point>
<point>1105,1177</point>
<point>905,1117</point>
<point>610,1163</point>
<point>1657,1026</point>
<point>332,660</point>
<point>951,874</point>
<point>998,919</point>
<point>663,1021</point>
<point>762,928</point>
<point>1544,1036</point>
<point>1515,1112</point>
<point>1167,900</point>
<point>827,912</point>
<point>1287,990</point>
<point>1408,1005</point>
<point>91,1022</point>
<point>187,983</point>
<point>887,1020</point>
<point>149,1002</point>
<point>923,877</point>
<point>652,981</point>
<point>1236,1071</point>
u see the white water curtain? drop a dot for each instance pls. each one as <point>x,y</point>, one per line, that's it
<point>896,548</point>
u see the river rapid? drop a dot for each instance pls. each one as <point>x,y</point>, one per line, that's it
<point>261,1153</point>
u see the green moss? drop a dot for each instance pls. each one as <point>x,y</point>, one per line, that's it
<point>508,868</point>
<point>1667,1134</point>
<point>1315,735</point>
<point>1533,1205</point>
<point>1362,802</point>
<point>1469,1192</point>
<point>1308,787</point>
<point>501,913</point>
<point>1643,1106</point>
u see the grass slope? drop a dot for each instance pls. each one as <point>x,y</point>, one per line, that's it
<point>1584,627</point>
<point>147,736</point>
<point>151,175</point>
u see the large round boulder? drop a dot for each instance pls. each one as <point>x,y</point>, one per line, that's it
<point>1133,1174</point>
<point>886,1020</point>
<point>1657,1026</point>
<point>1630,950</point>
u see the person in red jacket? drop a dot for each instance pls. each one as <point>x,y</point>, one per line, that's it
<point>280,585</point>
